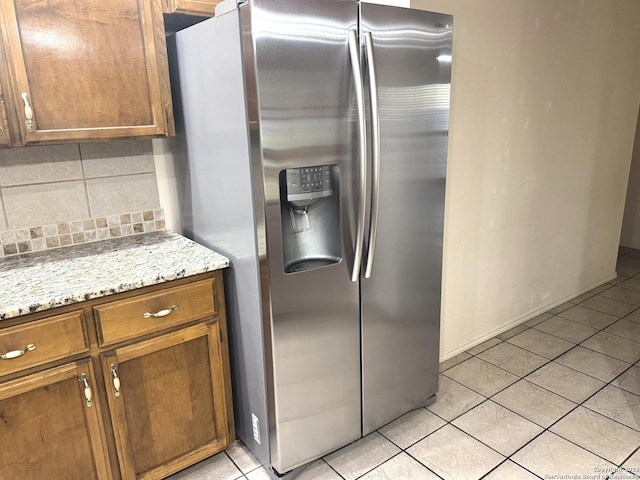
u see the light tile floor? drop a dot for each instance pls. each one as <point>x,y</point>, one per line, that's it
<point>557,395</point>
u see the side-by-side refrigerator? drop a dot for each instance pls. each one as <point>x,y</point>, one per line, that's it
<point>314,155</point>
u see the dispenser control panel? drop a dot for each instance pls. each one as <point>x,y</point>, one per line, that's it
<point>308,183</point>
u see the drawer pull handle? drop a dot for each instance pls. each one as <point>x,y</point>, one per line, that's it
<point>116,380</point>
<point>161,313</point>
<point>28,113</point>
<point>88,396</point>
<point>18,353</point>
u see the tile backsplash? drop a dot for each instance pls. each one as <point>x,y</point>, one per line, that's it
<point>59,195</point>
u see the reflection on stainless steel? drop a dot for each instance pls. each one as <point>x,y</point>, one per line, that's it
<point>318,359</point>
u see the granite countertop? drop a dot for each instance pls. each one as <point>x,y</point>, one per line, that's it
<point>53,278</point>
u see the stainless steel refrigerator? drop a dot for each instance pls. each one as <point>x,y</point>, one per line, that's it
<point>314,156</point>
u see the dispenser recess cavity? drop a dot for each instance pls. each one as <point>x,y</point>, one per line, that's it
<point>310,217</point>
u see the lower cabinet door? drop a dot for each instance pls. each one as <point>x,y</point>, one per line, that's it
<point>50,426</point>
<point>167,401</point>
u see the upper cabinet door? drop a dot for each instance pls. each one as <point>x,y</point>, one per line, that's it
<point>89,70</point>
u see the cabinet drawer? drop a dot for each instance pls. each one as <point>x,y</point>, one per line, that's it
<point>136,316</point>
<point>42,341</point>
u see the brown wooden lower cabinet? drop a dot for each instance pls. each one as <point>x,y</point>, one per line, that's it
<point>157,401</point>
<point>50,426</point>
<point>166,401</point>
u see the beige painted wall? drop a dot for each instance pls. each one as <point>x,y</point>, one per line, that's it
<point>544,103</point>
<point>630,235</point>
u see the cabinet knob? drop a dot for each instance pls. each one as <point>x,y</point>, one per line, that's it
<point>18,353</point>
<point>88,396</point>
<point>116,380</point>
<point>161,313</point>
<point>28,113</point>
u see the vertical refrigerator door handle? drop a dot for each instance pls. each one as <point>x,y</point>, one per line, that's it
<point>375,153</point>
<point>358,84</point>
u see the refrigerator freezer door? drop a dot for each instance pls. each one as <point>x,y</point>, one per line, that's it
<point>304,117</point>
<point>401,300</point>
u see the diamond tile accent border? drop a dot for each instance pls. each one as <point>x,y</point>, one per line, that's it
<point>64,234</point>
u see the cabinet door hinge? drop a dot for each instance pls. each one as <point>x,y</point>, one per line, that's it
<point>221,336</point>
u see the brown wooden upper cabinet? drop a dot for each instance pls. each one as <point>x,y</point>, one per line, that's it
<point>204,8</point>
<point>81,71</point>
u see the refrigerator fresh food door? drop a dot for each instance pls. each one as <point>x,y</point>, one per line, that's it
<point>303,125</point>
<point>401,299</point>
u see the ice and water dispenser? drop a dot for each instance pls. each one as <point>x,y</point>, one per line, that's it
<point>310,217</point>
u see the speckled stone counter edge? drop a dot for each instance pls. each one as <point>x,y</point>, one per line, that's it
<point>40,281</point>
